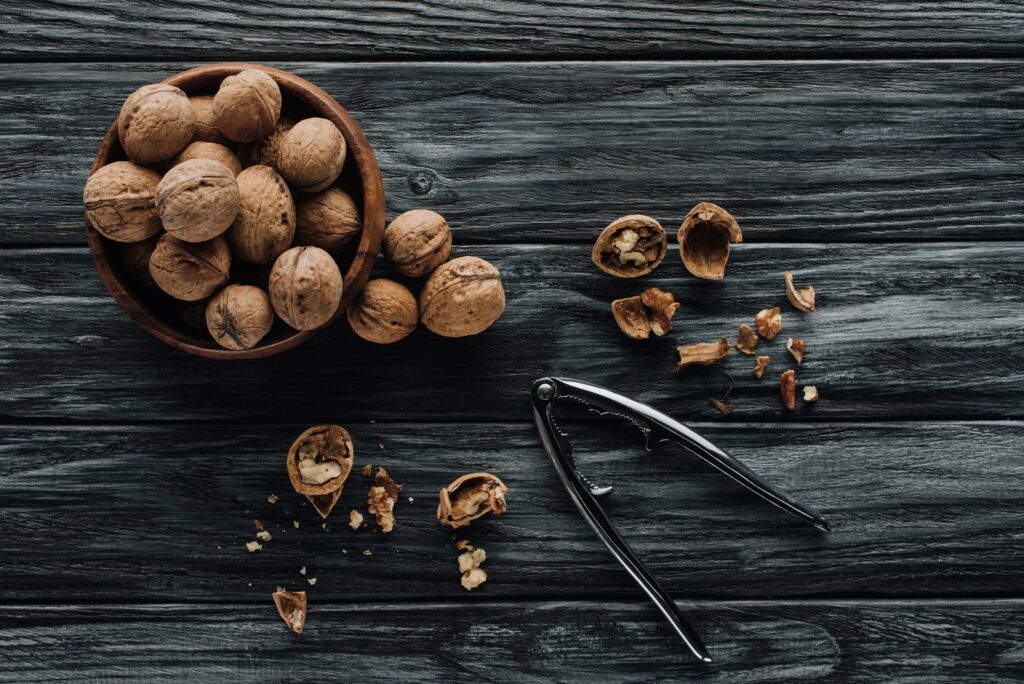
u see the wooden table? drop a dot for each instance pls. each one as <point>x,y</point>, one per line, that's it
<point>875,151</point>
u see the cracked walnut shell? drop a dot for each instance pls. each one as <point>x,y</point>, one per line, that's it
<point>155,123</point>
<point>797,348</point>
<point>746,340</point>
<point>650,311</point>
<point>787,388</point>
<point>197,200</point>
<point>760,364</point>
<point>190,271</point>
<point>385,312</point>
<point>311,154</point>
<point>247,105</point>
<point>768,323</point>
<point>305,287</point>
<point>802,299</point>
<point>120,202</point>
<point>704,240</point>
<point>471,497</point>
<point>462,297</point>
<point>328,220</point>
<point>265,224</point>
<point>239,316</point>
<point>381,500</point>
<point>291,606</point>
<point>630,246</point>
<point>417,242</point>
<point>702,353</point>
<point>318,464</point>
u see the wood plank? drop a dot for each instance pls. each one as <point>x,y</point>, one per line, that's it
<point>902,330</point>
<point>231,29</point>
<point>551,152</point>
<point>765,641</point>
<point>132,514</point>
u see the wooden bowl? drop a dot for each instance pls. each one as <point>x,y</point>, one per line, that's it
<point>167,319</point>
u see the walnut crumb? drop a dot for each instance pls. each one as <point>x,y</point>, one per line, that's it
<point>368,470</point>
<point>258,524</point>
<point>367,552</point>
<point>253,546</point>
<point>295,524</point>
<point>810,394</point>
<point>463,545</point>
<point>412,500</point>
<point>263,536</point>
<point>355,519</point>
<point>312,581</point>
<point>302,570</point>
<point>272,499</point>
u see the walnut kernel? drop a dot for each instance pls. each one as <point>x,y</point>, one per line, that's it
<point>702,353</point>
<point>239,316</point>
<point>769,323</point>
<point>469,565</point>
<point>417,242</point>
<point>797,348</point>
<point>650,311</point>
<point>355,519</point>
<point>746,340</point>
<point>787,388</point>
<point>802,299</point>
<point>630,246</point>
<point>209,150</point>
<point>155,123</point>
<point>384,312</point>
<point>120,201</point>
<point>247,105</point>
<point>197,200</point>
<point>810,394</point>
<point>318,464</point>
<point>381,500</point>
<point>762,363</point>
<point>328,220</point>
<point>462,297</point>
<point>291,606</point>
<point>190,271</point>
<point>265,224</point>
<point>305,287</point>
<point>311,154</point>
<point>469,498</point>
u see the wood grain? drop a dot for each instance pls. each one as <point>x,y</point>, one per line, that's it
<point>552,152</point>
<point>476,640</point>
<point>162,513</point>
<point>902,330</point>
<point>217,29</point>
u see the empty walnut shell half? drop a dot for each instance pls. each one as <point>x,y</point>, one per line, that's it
<point>704,240</point>
<point>471,497</point>
<point>650,311</point>
<point>802,299</point>
<point>291,606</point>
<point>630,246</point>
<point>319,463</point>
<point>702,353</point>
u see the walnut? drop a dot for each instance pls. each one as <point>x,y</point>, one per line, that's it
<point>469,565</point>
<point>264,151</point>
<point>311,154</point>
<point>796,348</point>
<point>265,224</point>
<point>704,240</point>
<point>462,297</point>
<point>385,312</point>
<point>417,242</point>
<point>120,201</point>
<point>650,311</point>
<point>291,606</point>
<point>762,363</point>
<point>247,105</point>
<point>787,388</point>
<point>355,519</point>
<point>197,200</point>
<point>630,246</point>
<point>318,464</point>
<point>210,150</point>
<point>239,316</point>
<point>206,122</point>
<point>190,271</point>
<point>702,354</point>
<point>721,405</point>
<point>305,287</point>
<point>155,123</point>
<point>768,323</point>
<point>328,220</point>
<point>253,546</point>
<point>746,340</point>
<point>802,299</point>
<point>382,498</point>
<point>810,394</point>
<point>471,497</point>
<point>135,260</point>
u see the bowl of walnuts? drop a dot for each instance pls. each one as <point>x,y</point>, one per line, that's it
<point>233,210</point>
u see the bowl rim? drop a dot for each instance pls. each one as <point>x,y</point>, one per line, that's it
<point>363,260</point>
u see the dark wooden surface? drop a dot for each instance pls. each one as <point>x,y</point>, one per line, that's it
<point>877,153</point>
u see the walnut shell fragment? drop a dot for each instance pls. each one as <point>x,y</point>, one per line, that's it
<point>291,606</point>
<point>787,388</point>
<point>810,394</point>
<point>768,323</point>
<point>746,340</point>
<point>802,299</point>
<point>650,311</point>
<point>382,498</point>
<point>704,240</point>
<point>702,353</point>
<point>723,406</point>
<point>797,348</point>
<point>318,464</point>
<point>761,364</point>
<point>630,246</point>
<point>471,497</point>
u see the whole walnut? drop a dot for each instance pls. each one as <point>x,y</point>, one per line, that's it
<point>417,242</point>
<point>197,200</point>
<point>265,223</point>
<point>264,151</point>
<point>462,297</point>
<point>120,201</point>
<point>239,316</point>
<point>305,287</point>
<point>247,105</point>
<point>328,220</point>
<point>155,123</point>
<point>209,150</point>
<point>135,260</point>
<point>385,312</point>
<point>190,271</point>
<point>311,154</point>
<point>206,122</point>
